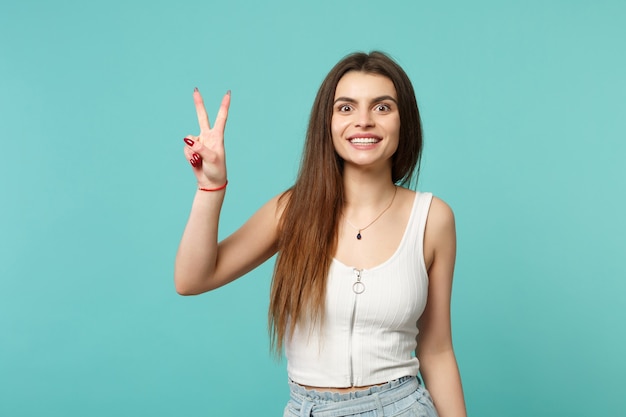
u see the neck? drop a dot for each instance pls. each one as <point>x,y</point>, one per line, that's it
<point>367,189</point>
<point>368,196</point>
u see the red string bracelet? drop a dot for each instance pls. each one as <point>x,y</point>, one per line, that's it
<point>214,189</point>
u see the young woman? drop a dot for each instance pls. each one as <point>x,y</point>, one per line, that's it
<point>360,298</point>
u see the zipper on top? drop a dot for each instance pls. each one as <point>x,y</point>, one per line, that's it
<point>358,287</point>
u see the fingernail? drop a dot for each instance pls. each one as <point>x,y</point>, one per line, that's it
<point>195,89</point>
<point>196,158</point>
<point>228,92</point>
<point>188,141</point>
<point>192,162</point>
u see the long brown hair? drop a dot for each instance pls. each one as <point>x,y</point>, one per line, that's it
<point>312,207</point>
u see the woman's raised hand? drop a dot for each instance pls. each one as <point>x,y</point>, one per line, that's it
<point>205,152</point>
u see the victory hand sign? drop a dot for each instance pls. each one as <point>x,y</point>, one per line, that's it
<point>205,152</point>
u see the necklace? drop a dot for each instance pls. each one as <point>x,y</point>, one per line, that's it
<point>360,229</point>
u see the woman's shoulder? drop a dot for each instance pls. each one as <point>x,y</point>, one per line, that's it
<point>439,209</point>
<point>440,220</point>
<point>440,214</point>
<point>440,233</point>
<point>280,201</point>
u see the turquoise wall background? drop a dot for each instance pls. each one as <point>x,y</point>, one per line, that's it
<point>523,105</point>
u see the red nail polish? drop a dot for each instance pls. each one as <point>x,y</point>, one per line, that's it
<point>188,141</point>
<point>196,158</point>
<point>192,162</point>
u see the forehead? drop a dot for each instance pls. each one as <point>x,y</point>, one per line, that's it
<point>357,84</point>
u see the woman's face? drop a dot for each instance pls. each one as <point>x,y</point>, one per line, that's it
<point>365,124</point>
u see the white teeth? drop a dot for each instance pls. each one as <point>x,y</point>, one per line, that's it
<point>364,140</point>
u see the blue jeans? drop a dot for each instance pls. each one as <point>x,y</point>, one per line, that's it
<point>404,397</point>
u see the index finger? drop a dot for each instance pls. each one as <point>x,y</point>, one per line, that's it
<point>203,117</point>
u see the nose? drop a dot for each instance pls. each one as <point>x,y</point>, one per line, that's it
<point>364,118</point>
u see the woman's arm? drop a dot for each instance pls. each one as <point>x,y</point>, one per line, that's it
<point>438,364</point>
<point>201,263</point>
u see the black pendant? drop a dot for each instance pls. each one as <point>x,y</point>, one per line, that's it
<point>358,235</point>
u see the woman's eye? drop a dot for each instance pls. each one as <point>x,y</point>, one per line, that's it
<point>344,108</point>
<point>382,107</point>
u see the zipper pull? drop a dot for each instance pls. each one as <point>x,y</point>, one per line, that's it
<point>358,287</point>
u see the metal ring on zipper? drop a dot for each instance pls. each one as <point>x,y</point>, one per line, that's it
<point>358,287</point>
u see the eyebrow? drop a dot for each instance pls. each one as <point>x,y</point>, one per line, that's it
<point>351,100</point>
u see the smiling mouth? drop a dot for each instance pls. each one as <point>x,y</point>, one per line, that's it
<point>364,141</point>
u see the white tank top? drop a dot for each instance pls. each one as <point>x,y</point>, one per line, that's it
<point>369,337</point>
